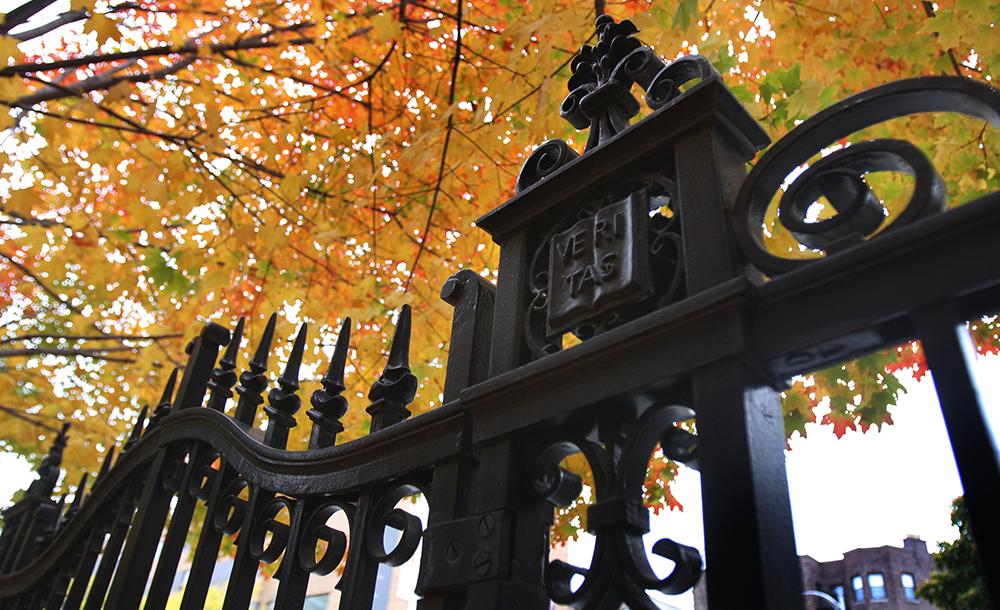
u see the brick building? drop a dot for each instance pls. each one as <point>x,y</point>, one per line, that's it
<point>881,578</point>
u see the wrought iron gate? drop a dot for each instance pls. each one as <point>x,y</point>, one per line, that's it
<point>646,254</point>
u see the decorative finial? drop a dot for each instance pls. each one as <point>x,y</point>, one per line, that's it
<point>163,407</point>
<point>224,376</point>
<point>74,506</point>
<point>253,381</point>
<point>48,470</point>
<point>133,437</point>
<point>283,402</point>
<point>396,387</point>
<point>328,404</point>
<point>600,92</point>
<point>106,464</point>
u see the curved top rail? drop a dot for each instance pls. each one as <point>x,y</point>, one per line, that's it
<point>394,451</point>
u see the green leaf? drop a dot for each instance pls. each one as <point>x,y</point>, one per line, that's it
<point>947,26</point>
<point>686,14</point>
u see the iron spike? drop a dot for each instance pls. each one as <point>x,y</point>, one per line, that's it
<point>290,376</point>
<point>259,359</point>
<point>396,387</point>
<point>399,352</point>
<point>223,377</point>
<point>106,464</point>
<point>133,437</point>
<point>78,496</point>
<point>328,404</point>
<point>283,401</point>
<point>253,381</point>
<point>334,379</point>
<point>233,349</point>
<point>166,402</point>
<point>168,390</point>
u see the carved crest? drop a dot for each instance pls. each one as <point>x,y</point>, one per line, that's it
<point>598,263</point>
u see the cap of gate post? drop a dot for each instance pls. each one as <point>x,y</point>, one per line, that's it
<point>582,248</point>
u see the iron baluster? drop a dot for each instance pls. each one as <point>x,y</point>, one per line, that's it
<point>93,542</point>
<point>328,404</point>
<point>283,402</point>
<point>396,386</point>
<point>224,376</point>
<point>950,356</point>
<point>208,484</point>
<point>390,394</point>
<point>111,553</point>
<point>253,381</point>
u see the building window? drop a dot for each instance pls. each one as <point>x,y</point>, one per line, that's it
<point>859,588</point>
<point>876,584</point>
<point>838,594</point>
<point>909,585</point>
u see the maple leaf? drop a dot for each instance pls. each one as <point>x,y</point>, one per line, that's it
<point>105,28</point>
<point>8,50</point>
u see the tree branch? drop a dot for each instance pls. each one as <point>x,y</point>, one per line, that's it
<point>455,62</point>
<point>34,336</point>
<point>97,353</point>
<point>27,272</point>
<point>189,48</point>
<point>23,416</point>
<point>105,80</point>
<point>23,13</point>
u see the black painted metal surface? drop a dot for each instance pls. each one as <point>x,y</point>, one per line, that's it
<point>648,248</point>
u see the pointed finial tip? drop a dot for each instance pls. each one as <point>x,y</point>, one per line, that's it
<point>295,357</point>
<point>234,343</point>
<point>260,356</point>
<point>399,351</point>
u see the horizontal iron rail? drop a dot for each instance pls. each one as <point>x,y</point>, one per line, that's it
<point>384,455</point>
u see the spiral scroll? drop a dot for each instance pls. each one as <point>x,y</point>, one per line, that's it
<point>600,92</point>
<point>619,571</point>
<point>840,176</point>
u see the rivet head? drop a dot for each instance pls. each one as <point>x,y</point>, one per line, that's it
<point>453,551</point>
<point>482,563</point>
<point>487,525</point>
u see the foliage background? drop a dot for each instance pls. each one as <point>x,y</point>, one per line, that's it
<point>165,164</point>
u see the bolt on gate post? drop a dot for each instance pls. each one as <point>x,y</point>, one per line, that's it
<point>637,309</point>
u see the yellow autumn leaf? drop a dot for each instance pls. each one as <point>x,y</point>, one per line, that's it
<point>104,27</point>
<point>11,88</point>
<point>9,50</point>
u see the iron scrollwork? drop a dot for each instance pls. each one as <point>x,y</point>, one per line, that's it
<point>600,92</point>
<point>386,514</point>
<point>840,175</point>
<point>318,531</point>
<point>619,572</point>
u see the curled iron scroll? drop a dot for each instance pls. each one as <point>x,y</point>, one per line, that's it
<point>229,512</point>
<point>839,175</point>
<point>316,531</point>
<point>269,536</point>
<point>203,477</point>
<point>385,514</point>
<point>617,518</point>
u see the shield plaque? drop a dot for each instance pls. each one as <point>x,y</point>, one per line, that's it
<point>598,264</point>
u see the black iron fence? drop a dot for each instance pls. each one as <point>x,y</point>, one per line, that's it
<point>678,316</point>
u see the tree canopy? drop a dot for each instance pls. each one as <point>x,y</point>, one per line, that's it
<point>957,583</point>
<point>165,163</point>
